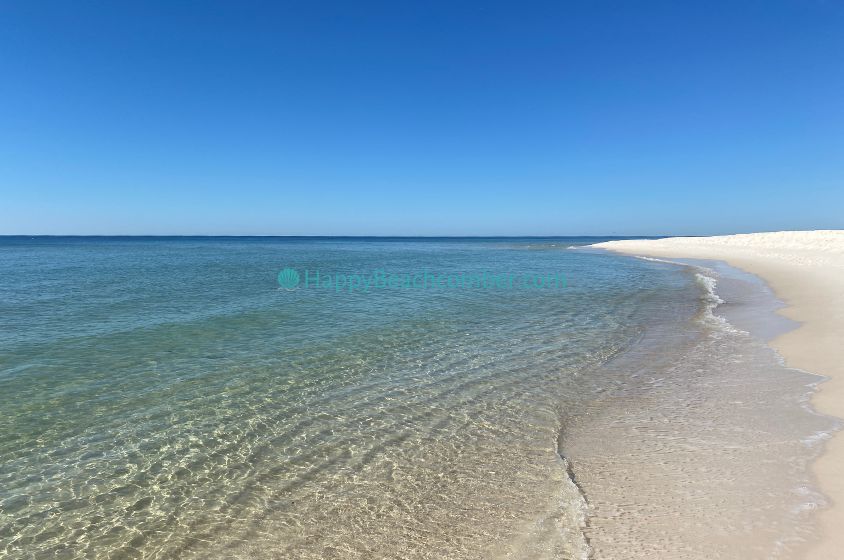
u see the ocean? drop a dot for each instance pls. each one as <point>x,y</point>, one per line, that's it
<point>425,398</point>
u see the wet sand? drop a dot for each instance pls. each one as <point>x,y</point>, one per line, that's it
<point>806,271</point>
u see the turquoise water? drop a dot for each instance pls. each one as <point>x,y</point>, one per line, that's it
<point>164,398</point>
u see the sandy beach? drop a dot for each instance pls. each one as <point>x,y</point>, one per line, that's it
<point>804,268</point>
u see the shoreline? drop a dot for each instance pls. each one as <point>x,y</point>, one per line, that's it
<point>804,270</point>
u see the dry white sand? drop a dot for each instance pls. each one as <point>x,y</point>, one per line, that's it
<point>806,270</point>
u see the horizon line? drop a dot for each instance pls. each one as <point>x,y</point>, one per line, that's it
<point>167,235</point>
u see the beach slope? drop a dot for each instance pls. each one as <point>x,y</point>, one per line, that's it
<point>806,271</point>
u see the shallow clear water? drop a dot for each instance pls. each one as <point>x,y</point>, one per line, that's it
<point>164,398</point>
<point>703,450</point>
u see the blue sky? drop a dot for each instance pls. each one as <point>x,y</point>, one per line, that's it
<point>421,118</point>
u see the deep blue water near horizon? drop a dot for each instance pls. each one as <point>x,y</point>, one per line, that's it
<point>163,398</point>
<point>575,239</point>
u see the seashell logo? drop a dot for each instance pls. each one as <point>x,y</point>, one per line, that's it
<point>288,279</point>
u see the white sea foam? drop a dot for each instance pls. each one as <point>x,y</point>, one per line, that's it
<point>816,438</point>
<point>713,300</point>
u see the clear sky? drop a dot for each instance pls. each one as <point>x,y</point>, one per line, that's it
<point>421,118</point>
